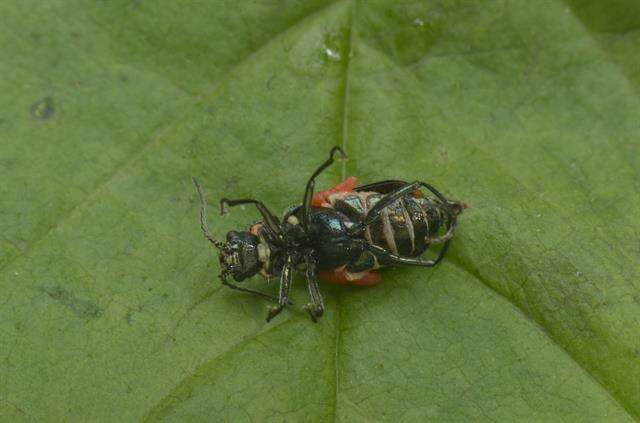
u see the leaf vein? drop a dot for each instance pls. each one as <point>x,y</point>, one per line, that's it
<point>345,138</point>
<point>482,281</point>
<point>159,132</point>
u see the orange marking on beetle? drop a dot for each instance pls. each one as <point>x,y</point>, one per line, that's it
<point>255,228</point>
<point>341,276</point>
<point>321,199</point>
<point>370,278</point>
<point>336,275</point>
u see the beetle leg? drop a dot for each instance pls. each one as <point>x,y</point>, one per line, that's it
<point>269,219</point>
<point>383,187</point>
<point>453,208</point>
<point>388,258</point>
<point>311,183</point>
<point>286,279</point>
<point>316,306</point>
<point>375,212</point>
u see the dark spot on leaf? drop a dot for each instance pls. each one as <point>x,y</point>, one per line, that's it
<point>81,308</point>
<point>444,155</point>
<point>124,78</point>
<point>230,183</point>
<point>42,109</point>
<point>129,317</point>
<point>269,81</point>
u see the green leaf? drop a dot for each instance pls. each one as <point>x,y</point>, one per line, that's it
<point>111,309</point>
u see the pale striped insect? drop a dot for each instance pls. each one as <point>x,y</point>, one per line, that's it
<point>405,227</point>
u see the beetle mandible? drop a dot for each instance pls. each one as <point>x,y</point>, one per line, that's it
<point>341,235</point>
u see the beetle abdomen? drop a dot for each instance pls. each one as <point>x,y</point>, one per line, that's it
<point>404,227</point>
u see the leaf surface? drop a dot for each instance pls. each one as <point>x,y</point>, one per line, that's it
<point>111,309</point>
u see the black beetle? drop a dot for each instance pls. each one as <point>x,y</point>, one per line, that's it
<point>341,235</point>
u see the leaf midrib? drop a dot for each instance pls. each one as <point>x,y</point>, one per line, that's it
<point>350,48</point>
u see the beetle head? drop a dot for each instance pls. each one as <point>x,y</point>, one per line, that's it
<point>239,256</point>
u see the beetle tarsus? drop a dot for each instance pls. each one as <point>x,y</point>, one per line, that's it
<point>273,312</point>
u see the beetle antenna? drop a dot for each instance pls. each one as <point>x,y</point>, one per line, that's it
<point>203,216</point>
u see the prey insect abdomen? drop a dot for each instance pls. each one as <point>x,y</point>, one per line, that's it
<point>404,227</point>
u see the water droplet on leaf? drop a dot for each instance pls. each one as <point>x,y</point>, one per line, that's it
<point>332,54</point>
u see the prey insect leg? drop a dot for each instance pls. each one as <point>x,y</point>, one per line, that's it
<point>375,212</point>
<point>388,258</point>
<point>451,216</point>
